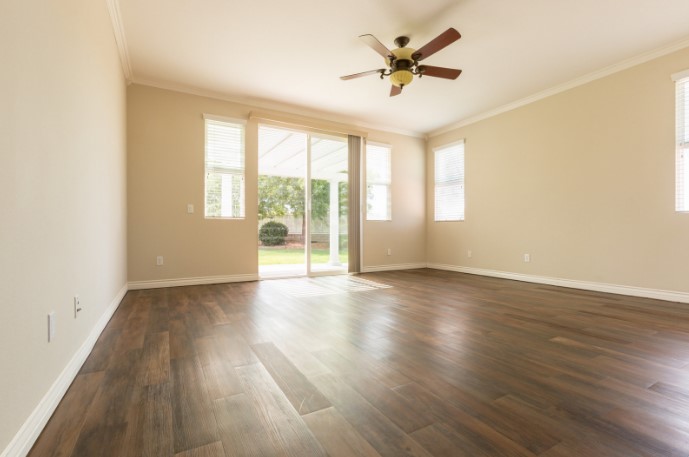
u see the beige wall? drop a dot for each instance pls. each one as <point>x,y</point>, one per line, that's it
<point>166,173</point>
<point>405,234</point>
<point>583,181</point>
<point>62,190</point>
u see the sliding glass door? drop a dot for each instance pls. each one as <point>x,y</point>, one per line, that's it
<point>329,186</point>
<point>302,194</point>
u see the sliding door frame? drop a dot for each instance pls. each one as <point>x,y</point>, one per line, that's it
<point>309,133</point>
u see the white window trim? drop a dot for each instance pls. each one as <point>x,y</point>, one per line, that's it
<point>681,80</point>
<point>229,120</point>
<point>435,184</point>
<point>680,75</point>
<point>388,184</point>
<point>242,197</point>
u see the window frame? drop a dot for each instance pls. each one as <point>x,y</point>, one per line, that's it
<point>681,80</point>
<point>381,182</point>
<point>239,172</point>
<point>460,181</point>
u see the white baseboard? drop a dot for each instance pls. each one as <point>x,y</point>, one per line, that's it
<point>667,295</point>
<point>33,426</point>
<point>393,267</point>
<point>158,283</point>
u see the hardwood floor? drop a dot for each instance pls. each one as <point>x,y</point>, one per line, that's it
<point>410,363</point>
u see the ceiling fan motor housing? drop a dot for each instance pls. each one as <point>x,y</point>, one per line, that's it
<point>401,67</point>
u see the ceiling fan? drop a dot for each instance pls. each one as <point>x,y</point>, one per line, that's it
<point>403,62</point>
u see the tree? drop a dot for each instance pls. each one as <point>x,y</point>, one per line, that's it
<point>280,196</point>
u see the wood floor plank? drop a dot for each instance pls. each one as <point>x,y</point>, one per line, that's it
<point>281,422</point>
<point>209,450</point>
<point>484,430</point>
<point>197,321</point>
<point>157,426</point>
<point>134,332</point>
<point>101,440</point>
<point>156,359</point>
<point>61,433</point>
<point>235,348</point>
<point>473,438</point>
<point>215,314</point>
<point>159,314</point>
<point>655,433</point>
<point>194,423</point>
<point>221,380</point>
<point>303,395</point>
<point>106,419</point>
<point>102,352</point>
<point>440,442</point>
<point>587,447</point>
<point>396,406</point>
<point>180,341</point>
<point>344,366</point>
<point>241,429</point>
<point>337,435</point>
<point>674,392</point>
<point>383,435</point>
<point>302,358</point>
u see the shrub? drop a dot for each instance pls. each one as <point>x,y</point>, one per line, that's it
<point>273,233</point>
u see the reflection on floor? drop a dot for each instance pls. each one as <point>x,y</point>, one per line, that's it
<point>290,270</point>
<point>309,287</point>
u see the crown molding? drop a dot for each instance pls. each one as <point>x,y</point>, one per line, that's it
<point>120,39</point>
<point>269,105</point>
<point>598,74</point>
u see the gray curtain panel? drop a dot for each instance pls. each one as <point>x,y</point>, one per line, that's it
<point>354,232</point>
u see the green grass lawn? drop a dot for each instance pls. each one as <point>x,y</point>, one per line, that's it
<point>282,256</point>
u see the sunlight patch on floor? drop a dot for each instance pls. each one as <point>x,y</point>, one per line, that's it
<point>308,287</point>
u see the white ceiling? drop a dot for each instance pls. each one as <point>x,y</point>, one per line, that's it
<point>290,54</point>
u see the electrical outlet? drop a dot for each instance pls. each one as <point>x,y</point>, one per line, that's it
<point>77,306</point>
<point>190,208</point>
<point>159,260</point>
<point>527,257</point>
<point>469,253</point>
<point>389,251</point>
<point>51,325</point>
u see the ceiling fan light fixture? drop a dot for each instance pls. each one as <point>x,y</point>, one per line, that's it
<point>403,63</point>
<point>401,78</point>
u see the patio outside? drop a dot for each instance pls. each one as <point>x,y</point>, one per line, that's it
<point>283,203</point>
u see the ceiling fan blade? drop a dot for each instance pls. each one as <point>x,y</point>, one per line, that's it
<point>376,45</point>
<point>446,38</point>
<point>359,75</point>
<point>394,90</point>
<point>439,72</point>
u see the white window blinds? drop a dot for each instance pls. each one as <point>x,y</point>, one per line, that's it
<point>224,169</point>
<point>682,135</point>
<point>449,182</point>
<point>378,181</point>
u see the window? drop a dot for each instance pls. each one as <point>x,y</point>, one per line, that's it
<point>682,125</point>
<point>449,182</point>
<point>224,168</point>
<point>378,179</point>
